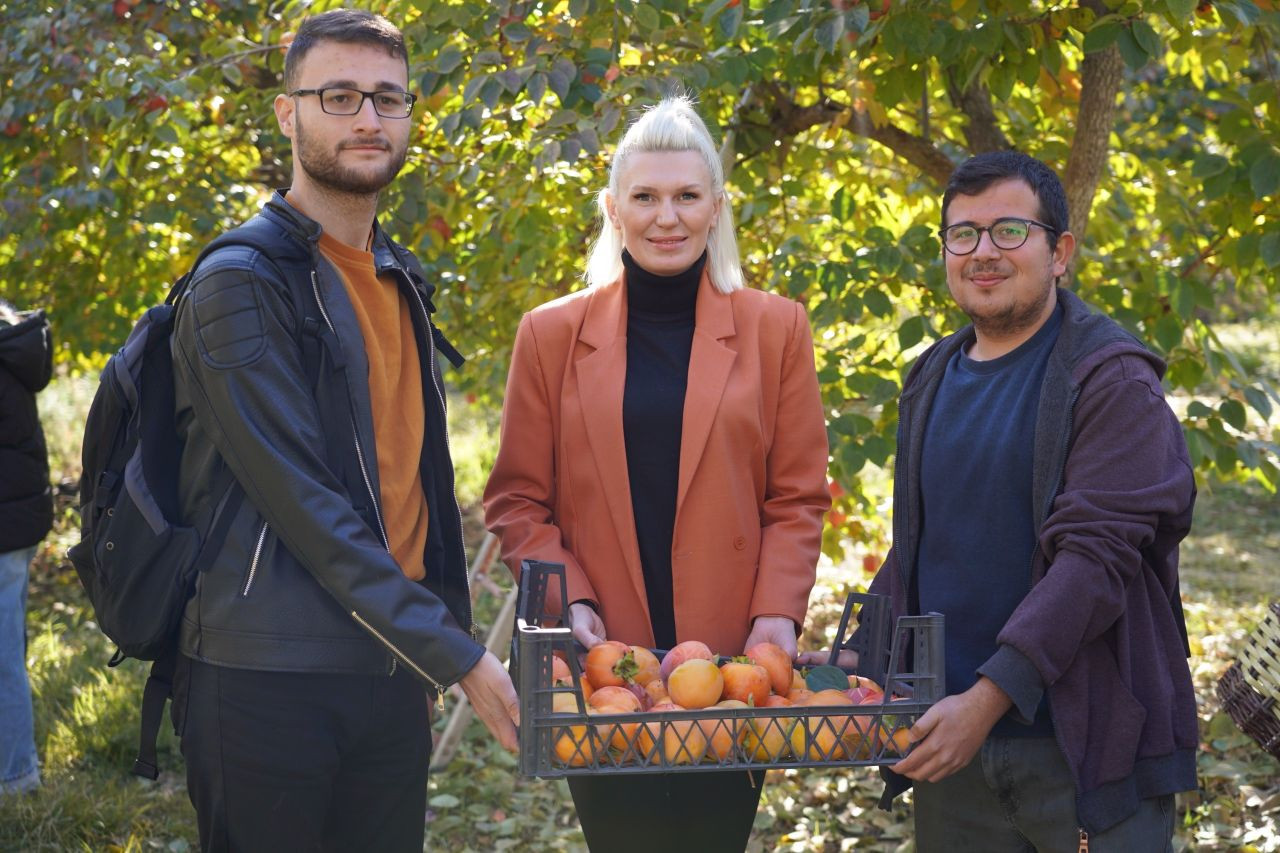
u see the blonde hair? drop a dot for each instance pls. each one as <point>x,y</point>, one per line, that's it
<point>672,125</point>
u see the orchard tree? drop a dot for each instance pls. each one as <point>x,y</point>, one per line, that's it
<point>133,131</point>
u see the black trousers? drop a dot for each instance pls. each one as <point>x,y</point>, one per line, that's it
<point>284,761</point>
<point>672,812</point>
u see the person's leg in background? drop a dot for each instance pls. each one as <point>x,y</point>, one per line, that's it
<point>19,770</point>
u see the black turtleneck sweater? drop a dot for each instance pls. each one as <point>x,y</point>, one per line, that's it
<point>660,322</point>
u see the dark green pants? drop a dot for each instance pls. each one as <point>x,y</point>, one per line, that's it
<point>1017,795</point>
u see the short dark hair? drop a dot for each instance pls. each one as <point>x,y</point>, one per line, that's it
<point>347,26</point>
<point>974,175</point>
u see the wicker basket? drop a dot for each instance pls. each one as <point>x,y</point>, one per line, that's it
<point>1250,689</point>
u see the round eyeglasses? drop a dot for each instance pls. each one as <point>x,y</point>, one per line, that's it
<point>1007,233</point>
<point>348,102</point>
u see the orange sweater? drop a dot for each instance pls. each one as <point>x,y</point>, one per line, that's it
<point>395,393</point>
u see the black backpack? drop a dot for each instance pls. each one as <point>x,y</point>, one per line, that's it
<point>137,558</point>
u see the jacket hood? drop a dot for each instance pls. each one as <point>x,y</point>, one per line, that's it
<point>26,350</point>
<point>1089,338</point>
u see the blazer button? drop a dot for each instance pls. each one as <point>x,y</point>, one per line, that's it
<point>739,542</point>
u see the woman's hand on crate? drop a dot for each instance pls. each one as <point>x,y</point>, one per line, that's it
<point>949,734</point>
<point>488,687</point>
<point>587,626</point>
<point>846,660</point>
<point>778,630</point>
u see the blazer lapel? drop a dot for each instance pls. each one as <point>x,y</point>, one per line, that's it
<point>710,363</point>
<point>601,380</point>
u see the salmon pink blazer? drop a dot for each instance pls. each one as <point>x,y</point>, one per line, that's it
<point>753,459</point>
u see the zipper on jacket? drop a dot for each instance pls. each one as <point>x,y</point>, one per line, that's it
<point>253,564</point>
<point>355,433</point>
<point>1048,698</point>
<point>444,424</point>
<point>377,511</point>
<point>439,688</point>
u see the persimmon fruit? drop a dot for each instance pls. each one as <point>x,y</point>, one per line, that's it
<point>745,681</point>
<point>696,683</point>
<point>776,662</point>
<point>681,652</point>
<point>601,661</point>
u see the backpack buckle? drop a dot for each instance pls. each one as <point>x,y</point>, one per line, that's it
<point>105,488</point>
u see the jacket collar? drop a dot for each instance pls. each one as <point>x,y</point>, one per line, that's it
<point>606,316</point>
<point>602,374</point>
<point>386,257</point>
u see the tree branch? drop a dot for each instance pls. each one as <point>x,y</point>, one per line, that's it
<point>788,119</point>
<point>982,132</point>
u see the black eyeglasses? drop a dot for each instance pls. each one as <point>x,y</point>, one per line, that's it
<point>348,102</point>
<point>1007,233</point>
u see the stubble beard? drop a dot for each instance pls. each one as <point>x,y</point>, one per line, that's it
<point>323,168</point>
<point>1011,319</point>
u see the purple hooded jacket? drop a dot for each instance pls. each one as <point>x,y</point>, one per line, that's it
<point>1101,628</point>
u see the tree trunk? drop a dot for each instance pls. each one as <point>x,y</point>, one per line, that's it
<point>1100,77</point>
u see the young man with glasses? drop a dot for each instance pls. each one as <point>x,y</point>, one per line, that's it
<point>307,382</point>
<point>1041,487</point>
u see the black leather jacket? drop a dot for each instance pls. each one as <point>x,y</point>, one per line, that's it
<point>303,581</point>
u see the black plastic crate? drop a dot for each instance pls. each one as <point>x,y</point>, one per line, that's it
<point>908,661</point>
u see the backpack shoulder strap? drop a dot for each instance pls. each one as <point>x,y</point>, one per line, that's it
<point>257,233</point>
<point>441,342</point>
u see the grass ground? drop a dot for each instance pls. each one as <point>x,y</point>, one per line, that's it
<point>87,714</point>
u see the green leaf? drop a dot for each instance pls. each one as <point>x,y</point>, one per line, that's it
<point>859,17</point>
<point>647,17</point>
<point>1207,165</point>
<point>517,31</point>
<point>1183,298</point>
<point>878,303</point>
<point>730,20</point>
<point>712,10</point>
<point>826,678</point>
<point>911,332</point>
<point>444,801</point>
<point>736,69</point>
<point>1264,174</point>
<point>448,59</point>
<point>1146,37</point>
<point>1269,249</point>
<point>1101,37</point>
<point>1232,412</point>
<point>1180,11</point>
<point>828,33</point>
<point>1197,409</point>
<point>1244,11</point>
<point>1134,54</point>
<point>537,87</point>
<point>842,205</point>
<point>473,87</point>
<point>1260,401</point>
<point>1168,332</point>
<point>561,77</point>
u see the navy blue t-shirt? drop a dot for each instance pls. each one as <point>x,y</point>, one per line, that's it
<point>979,532</point>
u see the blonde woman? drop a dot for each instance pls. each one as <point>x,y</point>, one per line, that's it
<point>663,438</point>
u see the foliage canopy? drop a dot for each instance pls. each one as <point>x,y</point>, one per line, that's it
<point>131,132</point>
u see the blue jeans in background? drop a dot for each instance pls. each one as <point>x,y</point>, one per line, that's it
<point>18,768</point>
